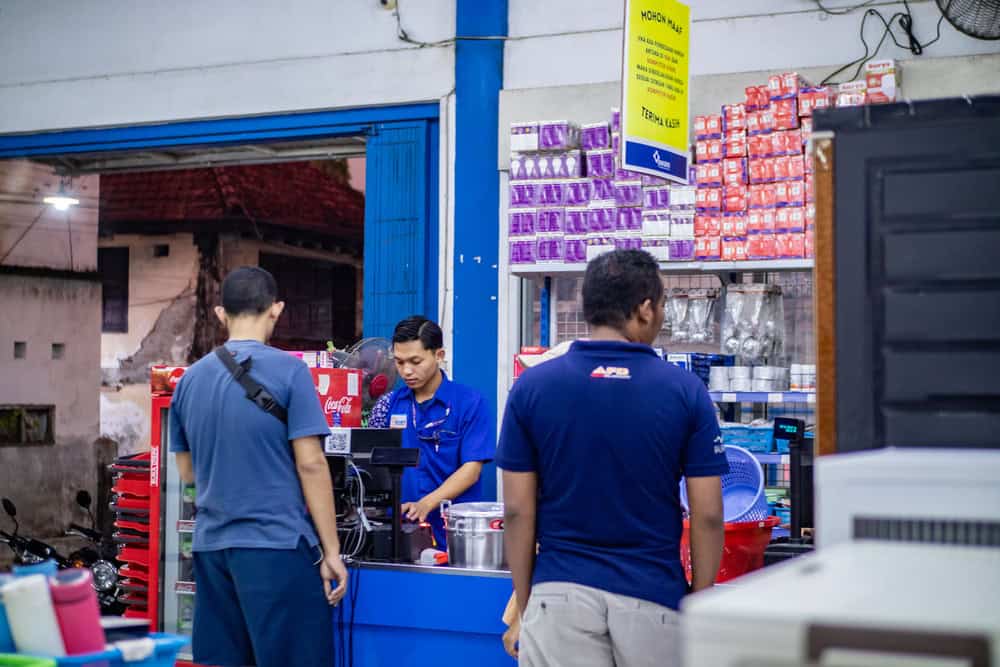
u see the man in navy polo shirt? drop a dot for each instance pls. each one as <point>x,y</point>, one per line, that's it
<point>266,553</point>
<point>447,421</point>
<point>593,446</point>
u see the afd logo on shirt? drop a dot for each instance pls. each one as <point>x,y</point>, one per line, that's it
<point>719,448</point>
<point>611,373</point>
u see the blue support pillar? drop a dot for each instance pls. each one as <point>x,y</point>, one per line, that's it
<point>478,80</point>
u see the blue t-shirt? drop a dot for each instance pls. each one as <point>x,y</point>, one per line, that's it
<point>610,429</point>
<point>248,490</point>
<point>451,429</point>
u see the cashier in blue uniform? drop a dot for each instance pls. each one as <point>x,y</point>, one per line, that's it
<point>447,421</point>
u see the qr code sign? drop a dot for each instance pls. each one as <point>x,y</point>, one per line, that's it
<point>339,441</point>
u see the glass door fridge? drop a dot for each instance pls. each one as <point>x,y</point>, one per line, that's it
<point>175,509</point>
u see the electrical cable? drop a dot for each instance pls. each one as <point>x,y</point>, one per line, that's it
<point>845,10</point>
<point>23,234</point>
<point>905,20</point>
<point>403,36</point>
<point>69,232</point>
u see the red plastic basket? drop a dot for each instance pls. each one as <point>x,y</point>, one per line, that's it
<point>742,551</point>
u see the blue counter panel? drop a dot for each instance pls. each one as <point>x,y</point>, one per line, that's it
<point>411,616</point>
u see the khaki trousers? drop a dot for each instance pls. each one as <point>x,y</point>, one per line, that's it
<point>568,625</point>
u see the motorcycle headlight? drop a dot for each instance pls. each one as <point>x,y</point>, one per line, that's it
<point>105,575</point>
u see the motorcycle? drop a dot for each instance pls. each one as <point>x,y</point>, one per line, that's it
<point>99,557</point>
<point>28,550</point>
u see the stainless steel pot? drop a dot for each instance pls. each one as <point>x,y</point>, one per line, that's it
<point>475,535</point>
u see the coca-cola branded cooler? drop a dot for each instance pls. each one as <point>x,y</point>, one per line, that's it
<point>339,392</point>
<point>172,511</point>
<point>169,562</point>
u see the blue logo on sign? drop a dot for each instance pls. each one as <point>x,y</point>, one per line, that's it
<point>660,162</point>
<point>656,159</point>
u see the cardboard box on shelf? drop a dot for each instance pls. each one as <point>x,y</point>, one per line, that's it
<point>810,99</point>
<point>882,81</point>
<point>852,94</point>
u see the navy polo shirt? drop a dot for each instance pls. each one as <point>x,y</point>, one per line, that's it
<point>248,490</point>
<point>610,429</point>
<point>451,429</point>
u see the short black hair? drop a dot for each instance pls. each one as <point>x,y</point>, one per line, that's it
<point>616,283</point>
<point>248,290</point>
<point>418,327</point>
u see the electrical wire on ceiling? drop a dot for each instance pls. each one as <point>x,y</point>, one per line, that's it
<point>405,37</point>
<point>844,10</point>
<point>904,19</point>
<point>23,234</point>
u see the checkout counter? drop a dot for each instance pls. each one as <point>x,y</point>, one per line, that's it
<point>396,613</point>
<point>420,615</point>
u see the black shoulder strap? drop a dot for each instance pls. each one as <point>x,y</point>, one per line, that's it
<point>255,391</point>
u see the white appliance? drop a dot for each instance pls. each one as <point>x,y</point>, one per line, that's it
<point>946,496</point>
<point>870,603</point>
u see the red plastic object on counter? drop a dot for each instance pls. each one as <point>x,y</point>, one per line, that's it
<point>742,550</point>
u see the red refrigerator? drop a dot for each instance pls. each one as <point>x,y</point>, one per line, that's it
<point>171,601</point>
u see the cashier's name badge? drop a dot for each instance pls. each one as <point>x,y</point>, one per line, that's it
<point>397,421</point>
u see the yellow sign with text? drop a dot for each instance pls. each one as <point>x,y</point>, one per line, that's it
<point>655,85</point>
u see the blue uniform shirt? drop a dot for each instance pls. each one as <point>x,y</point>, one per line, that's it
<point>451,429</point>
<point>609,428</point>
<point>248,490</point>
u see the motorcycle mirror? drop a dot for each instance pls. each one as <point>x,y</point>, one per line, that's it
<point>9,508</point>
<point>83,499</point>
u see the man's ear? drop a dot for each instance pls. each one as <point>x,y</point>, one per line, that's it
<point>439,355</point>
<point>277,308</point>
<point>220,312</point>
<point>644,312</point>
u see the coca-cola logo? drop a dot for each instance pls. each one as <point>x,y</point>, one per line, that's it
<point>341,405</point>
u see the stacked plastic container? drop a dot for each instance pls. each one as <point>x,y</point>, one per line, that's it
<point>131,505</point>
<point>54,616</point>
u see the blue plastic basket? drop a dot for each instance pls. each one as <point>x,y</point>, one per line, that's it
<point>743,497</point>
<point>164,655</point>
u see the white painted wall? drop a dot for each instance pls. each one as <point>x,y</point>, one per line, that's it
<point>115,62</point>
<point>154,282</point>
<point>41,479</point>
<point>569,42</point>
<point>33,233</point>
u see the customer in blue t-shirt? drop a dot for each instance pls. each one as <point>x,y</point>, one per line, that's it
<point>593,446</point>
<point>264,495</point>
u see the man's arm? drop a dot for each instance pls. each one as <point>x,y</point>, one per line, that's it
<point>456,484</point>
<point>184,467</point>
<point>520,498</point>
<point>707,529</point>
<point>317,487</point>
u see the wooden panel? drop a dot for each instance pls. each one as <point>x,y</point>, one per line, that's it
<point>824,286</point>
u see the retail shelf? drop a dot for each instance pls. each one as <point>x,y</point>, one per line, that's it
<point>765,265</point>
<point>763,396</point>
<point>771,459</point>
